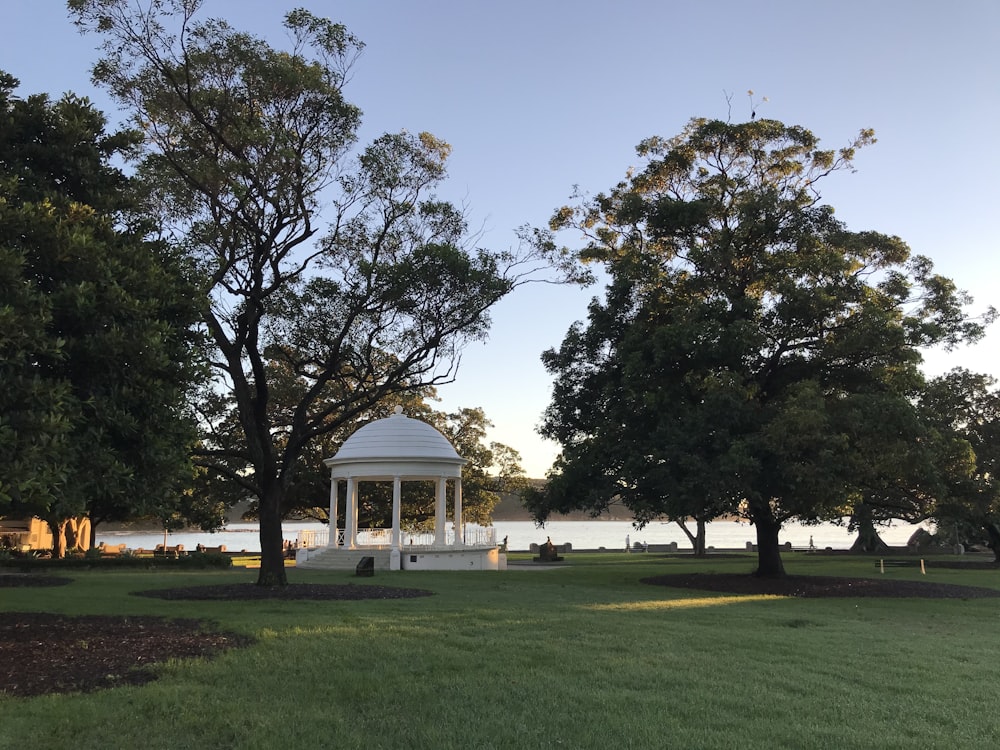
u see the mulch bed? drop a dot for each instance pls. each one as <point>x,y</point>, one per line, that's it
<point>42,653</point>
<point>820,586</point>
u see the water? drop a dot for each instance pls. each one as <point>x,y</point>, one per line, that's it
<point>237,537</point>
<point>520,534</point>
<point>719,534</point>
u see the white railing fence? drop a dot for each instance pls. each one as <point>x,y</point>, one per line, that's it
<point>480,536</point>
<point>474,536</point>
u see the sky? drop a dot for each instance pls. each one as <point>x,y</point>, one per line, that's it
<point>537,97</point>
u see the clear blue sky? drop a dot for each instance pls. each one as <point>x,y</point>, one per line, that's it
<point>538,96</point>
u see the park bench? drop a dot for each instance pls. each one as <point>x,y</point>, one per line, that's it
<point>897,563</point>
<point>111,550</point>
<point>212,550</point>
<point>168,551</point>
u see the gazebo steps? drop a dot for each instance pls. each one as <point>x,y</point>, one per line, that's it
<point>343,559</point>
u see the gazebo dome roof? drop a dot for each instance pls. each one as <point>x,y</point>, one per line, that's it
<point>396,438</point>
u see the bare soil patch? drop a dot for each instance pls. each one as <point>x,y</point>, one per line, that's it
<point>15,580</point>
<point>42,653</point>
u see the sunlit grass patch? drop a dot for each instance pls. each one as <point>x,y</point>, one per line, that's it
<point>692,603</point>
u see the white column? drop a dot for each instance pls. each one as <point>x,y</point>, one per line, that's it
<point>351,517</point>
<point>332,542</point>
<point>459,527</point>
<point>397,501</point>
<point>440,511</point>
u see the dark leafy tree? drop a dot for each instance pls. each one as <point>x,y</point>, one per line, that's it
<point>492,468</point>
<point>966,406</point>
<point>247,147</point>
<point>749,348</point>
<point>96,340</point>
<point>903,465</point>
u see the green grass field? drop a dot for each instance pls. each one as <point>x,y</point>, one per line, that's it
<point>582,656</point>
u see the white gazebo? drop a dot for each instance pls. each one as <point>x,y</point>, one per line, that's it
<point>399,449</point>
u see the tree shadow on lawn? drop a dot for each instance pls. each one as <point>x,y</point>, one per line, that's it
<point>820,586</point>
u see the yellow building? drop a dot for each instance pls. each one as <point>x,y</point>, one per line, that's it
<point>25,534</point>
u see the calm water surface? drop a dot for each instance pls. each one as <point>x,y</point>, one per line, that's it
<point>520,534</point>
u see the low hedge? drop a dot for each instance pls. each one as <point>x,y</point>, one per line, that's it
<point>190,561</point>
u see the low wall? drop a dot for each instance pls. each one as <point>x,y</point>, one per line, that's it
<point>460,559</point>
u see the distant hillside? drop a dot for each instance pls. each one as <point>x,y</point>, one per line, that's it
<point>510,509</point>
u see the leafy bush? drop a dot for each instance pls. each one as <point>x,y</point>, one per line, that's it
<point>193,560</point>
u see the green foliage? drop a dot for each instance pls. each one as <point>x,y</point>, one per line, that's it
<point>493,467</point>
<point>92,561</point>
<point>752,355</point>
<point>246,148</point>
<point>94,326</point>
<point>965,407</point>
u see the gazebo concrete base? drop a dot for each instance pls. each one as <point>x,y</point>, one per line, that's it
<point>324,558</point>
<point>411,558</point>
<point>453,559</point>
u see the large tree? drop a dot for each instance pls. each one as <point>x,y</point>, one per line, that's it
<point>492,468</point>
<point>750,348</point>
<point>965,406</point>
<point>96,347</point>
<point>247,149</point>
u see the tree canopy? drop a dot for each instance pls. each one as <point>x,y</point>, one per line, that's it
<point>96,347</point>
<point>334,260</point>
<point>965,406</point>
<point>752,355</point>
<point>492,468</point>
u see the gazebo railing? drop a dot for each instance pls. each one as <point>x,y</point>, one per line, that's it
<point>480,536</point>
<point>311,538</point>
<point>474,536</point>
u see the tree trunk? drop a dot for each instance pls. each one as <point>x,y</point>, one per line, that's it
<point>272,548</point>
<point>78,533</point>
<point>769,564</point>
<point>993,534</point>
<point>697,539</point>
<point>868,539</point>
<point>58,529</point>
<point>687,532</point>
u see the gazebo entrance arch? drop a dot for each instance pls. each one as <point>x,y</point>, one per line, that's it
<point>398,449</point>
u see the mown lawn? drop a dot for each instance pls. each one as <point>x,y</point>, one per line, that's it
<point>583,656</point>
